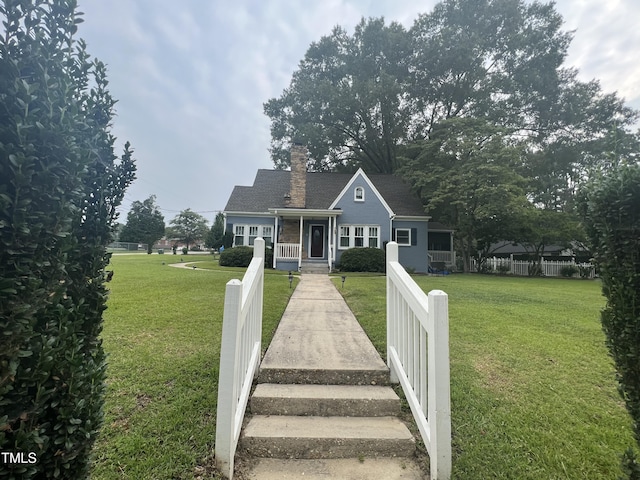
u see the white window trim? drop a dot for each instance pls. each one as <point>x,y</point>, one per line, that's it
<point>246,233</point>
<point>355,194</point>
<point>352,236</point>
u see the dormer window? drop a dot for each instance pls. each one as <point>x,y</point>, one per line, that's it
<point>358,194</point>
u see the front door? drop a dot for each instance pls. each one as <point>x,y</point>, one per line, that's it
<point>317,241</point>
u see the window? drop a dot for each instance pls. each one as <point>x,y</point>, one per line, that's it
<point>238,238</point>
<point>373,237</point>
<point>253,234</point>
<point>247,234</point>
<point>358,194</point>
<point>403,236</point>
<point>357,236</point>
<point>344,237</point>
<point>267,235</point>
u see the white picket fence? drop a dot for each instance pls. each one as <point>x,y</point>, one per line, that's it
<point>418,357</point>
<point>239,356</point>
<point>550,268</point>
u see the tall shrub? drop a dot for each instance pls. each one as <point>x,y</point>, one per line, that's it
<point>611,212</point>
<point>60,184</point>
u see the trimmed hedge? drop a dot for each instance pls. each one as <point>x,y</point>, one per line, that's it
<point>363,260</point>
<point>60,184</point>
<point>611,210</point>
<point>242,256</point>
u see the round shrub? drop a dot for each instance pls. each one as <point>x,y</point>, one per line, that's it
<point>568,271</point>
<point>363,260</point>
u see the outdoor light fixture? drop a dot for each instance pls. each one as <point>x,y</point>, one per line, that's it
<point>290,279</point>
<point>344,277</point>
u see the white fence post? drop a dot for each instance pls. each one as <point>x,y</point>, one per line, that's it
<point>227,393</point>
<point>240,351</point>
<point>439,404</point>
<point>392,256</point>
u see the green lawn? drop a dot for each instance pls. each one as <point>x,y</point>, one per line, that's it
<point>533,390</point>
<point>162,333</point>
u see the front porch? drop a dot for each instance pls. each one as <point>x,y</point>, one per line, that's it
<point>304,236</point>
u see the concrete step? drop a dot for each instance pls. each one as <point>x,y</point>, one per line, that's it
<point>315,268</point>
<point>280,436</point>
<point>316,376</point>
<point>325,400</point>
<point>344,469</point>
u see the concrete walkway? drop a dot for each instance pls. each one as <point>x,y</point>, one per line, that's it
<point>320,340</point>
<point>322,407</point>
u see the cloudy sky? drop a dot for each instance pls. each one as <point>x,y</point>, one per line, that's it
<point>191,76</point>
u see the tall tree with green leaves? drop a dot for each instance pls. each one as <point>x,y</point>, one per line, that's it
<point>145,223</point>
<point>465,174</point>
<point>60,185</point>
<point>346,100</point>
<point>215,237</point>
<point>361,100</point>
<point>189,226</point>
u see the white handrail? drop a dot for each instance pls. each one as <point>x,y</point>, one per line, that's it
<point>418,358</point>
<point>239,356</point>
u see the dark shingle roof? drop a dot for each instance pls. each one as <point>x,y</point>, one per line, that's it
<point>270,187</point>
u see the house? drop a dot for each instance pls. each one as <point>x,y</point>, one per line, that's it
<point>313,217</point>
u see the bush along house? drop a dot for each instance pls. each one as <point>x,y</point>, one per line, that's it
<point>311,218</point>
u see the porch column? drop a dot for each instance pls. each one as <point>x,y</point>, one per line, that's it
<point>275,240</point>
<point>329,246</point>
<point>300,249</point>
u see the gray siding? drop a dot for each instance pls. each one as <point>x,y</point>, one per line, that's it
<point>414,256</point>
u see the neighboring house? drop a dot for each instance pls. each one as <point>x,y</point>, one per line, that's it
<point>313,217</point>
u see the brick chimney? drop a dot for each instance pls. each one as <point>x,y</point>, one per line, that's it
<point>298,187</point>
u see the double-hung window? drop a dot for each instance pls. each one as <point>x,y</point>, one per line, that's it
<point>403,236</point>
<point>267,234</point>
<point>253,233</point>
<point>374,241</point>
<point>358,238</point>
<point>238,238</point>
<point>345,238</point>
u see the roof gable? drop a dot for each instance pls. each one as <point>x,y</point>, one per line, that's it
<point>348,187</point>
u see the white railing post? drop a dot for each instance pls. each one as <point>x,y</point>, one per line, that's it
<point>439,403</point>
<point>240,350</point>
<point>392,256</point>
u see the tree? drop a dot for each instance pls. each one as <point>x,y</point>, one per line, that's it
<point>345,102</point>
<point>540,228</point>
<point>610,207</point>
<point>361,100</point>
<point>60,185</point>
<point>215,237</point>
<point>465,175</point>
<point>145,223</point>
<point>189,226</point>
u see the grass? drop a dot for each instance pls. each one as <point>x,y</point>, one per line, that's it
<point>162,334</point>
<point>533,390</point>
